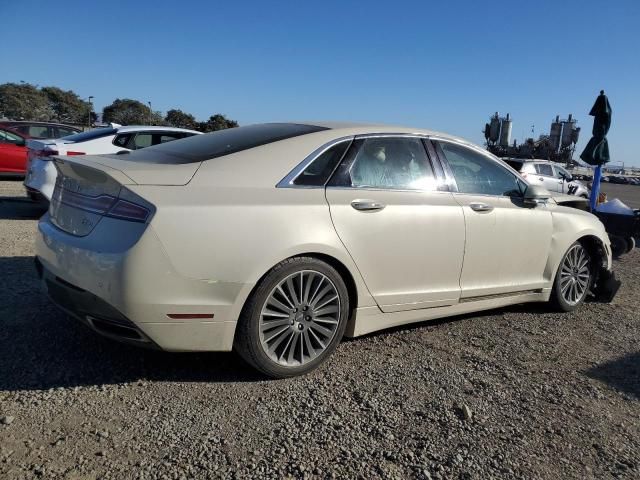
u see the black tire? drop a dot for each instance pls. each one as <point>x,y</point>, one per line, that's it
<point>558,300</point>
<point>631,244</point>
<point>247,340</point>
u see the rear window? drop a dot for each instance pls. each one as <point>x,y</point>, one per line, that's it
<point>90,135</point>
<point>224,142</point>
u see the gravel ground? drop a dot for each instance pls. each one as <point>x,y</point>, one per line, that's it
<point>514,393</point>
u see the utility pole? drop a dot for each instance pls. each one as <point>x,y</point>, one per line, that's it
<point>90,108</point>
<point>150,113</point>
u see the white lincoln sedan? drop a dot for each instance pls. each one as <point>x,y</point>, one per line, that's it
<point>277,239</point>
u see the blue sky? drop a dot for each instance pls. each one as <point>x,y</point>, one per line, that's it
<point>441,65</point>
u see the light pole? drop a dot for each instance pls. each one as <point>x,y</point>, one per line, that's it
<point>150,113</point>
<point>90,108</point>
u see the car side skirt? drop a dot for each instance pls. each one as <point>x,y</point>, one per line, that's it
<point>371,319</point>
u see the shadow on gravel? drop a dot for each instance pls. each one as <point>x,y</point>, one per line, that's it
<point>623,374</point>
<point>20,208</point>
<point>41,348</point>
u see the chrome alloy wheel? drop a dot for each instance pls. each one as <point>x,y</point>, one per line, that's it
<point>575,275</point>
<point>299,318</point>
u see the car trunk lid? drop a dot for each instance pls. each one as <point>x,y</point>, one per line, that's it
<point>91,187</point>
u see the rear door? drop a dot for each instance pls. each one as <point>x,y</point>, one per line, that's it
<point>507,244</point>
<point>405,234</point>
<point>547,177</point>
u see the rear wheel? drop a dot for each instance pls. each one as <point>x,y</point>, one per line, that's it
<point>294,319</point>
<point>573,278</point>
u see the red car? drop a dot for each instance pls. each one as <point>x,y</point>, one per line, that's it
<point>13,152</point>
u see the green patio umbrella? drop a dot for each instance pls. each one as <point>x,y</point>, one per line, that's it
<point>597,150</point>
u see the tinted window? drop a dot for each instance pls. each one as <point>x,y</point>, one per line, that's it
<point>224,142</point>
<point>142,140</point>
<point>544,169</point>
<point>318,171</point>
<point>478,174</point>
<point>39,131</point>
<point>387,162</point>
<point>63,132</point>
<point>561,172</point>
<point>168,137</point>
<point>8,137</point>
<point>122,140</point>
<point>91,134</point>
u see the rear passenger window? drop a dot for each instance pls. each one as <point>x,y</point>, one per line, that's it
<point>142,140</point>
<point>317,172</point>
<point>544,169</point>
<point>387,163</point>
<point>167,137</point>
<point>122,140</point>
<point>39,131</point>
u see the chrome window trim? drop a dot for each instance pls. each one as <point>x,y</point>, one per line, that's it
<point>287,182</point>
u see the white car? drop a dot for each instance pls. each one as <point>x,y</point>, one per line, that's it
<point>548,175</point>
<point>41,173</point>
<point>277,239</point>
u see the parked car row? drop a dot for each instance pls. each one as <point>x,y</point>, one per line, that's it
<point>26,148</point>
<point>275,240</point>
<point>41,173</point>
<point>620,180</point>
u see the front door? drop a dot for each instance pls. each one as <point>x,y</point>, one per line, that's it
<point>405,236</point>
<point>507,244</point>
<point>13,153</point>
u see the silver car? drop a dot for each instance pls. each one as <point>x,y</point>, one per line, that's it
<point>549,175</point>
<point>277,239</point>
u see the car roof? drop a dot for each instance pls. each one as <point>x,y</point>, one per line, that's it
<point>138,128</point>
<point>25,122</point>
<point>362,128</point>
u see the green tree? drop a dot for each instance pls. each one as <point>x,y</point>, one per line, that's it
<point>216,122</point>
<point>126,111</point>
<point>66,106</point>
<point>23,102</point>
<point>178,118</point>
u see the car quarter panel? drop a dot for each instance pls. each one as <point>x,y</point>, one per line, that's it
<point>231,234</point>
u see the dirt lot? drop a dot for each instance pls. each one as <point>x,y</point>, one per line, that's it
<point>515,393</point>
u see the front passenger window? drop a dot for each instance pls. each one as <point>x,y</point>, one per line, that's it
<point>475,173</point>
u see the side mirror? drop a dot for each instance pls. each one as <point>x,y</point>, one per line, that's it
<point>535,195</point>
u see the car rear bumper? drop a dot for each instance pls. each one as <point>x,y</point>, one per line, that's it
<point>41,177</point>
<point>121,283</point>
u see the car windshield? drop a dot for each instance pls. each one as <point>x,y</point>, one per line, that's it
<point>89,135</point>
<point>223,142</point>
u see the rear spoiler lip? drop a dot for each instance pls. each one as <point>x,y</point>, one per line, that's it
<point>116,174</point>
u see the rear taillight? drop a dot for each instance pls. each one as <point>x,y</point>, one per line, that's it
<point>126,210</point>
<point>106,205</point>
<point>75,153</point>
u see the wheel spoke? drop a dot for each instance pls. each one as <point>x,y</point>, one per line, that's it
<point>286,297</point>
<point>292,291</point>
<point>274,302</point>
<point>274,335</point>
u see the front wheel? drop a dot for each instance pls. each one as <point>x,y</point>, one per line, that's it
<point>573,279</point>
<point>294,319</point>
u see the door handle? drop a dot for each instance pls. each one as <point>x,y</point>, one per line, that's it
<point>367,205</point>
<point>541,179</point>
<point>480,207</point>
